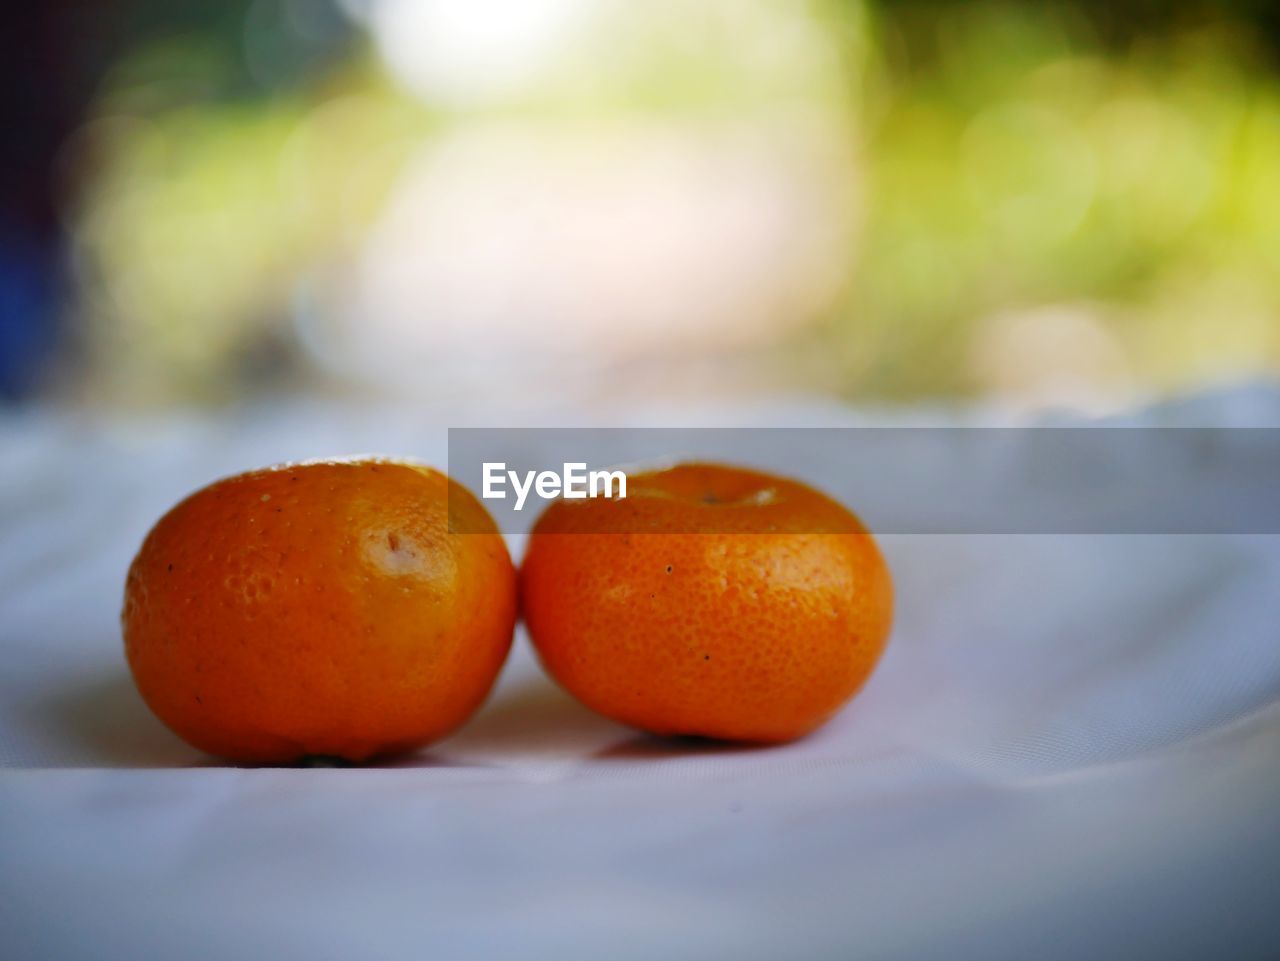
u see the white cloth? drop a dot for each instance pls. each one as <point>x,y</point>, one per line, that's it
<point>1071,749</point>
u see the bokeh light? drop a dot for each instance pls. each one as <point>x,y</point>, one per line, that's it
<point>894,200</point>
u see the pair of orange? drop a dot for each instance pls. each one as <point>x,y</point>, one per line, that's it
<point>363,608</point>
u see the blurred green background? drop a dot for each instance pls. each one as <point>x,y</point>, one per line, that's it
<point>568,201</point>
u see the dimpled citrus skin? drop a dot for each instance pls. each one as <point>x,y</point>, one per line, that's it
<point>319,609</point>
<point>711,601</point>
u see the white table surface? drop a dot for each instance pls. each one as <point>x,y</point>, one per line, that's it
<point>1071,749</point>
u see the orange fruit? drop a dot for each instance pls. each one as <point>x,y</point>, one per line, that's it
<point>711,600</point>
<point>320,609</point>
